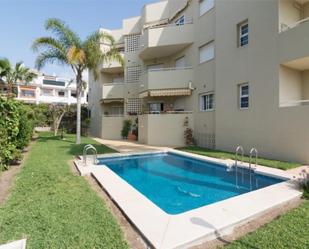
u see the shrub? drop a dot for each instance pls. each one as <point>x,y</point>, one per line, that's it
<point>126,128</point>
<point>16,127</point>
<point>9,129</point>
<point>304,183</point>
<point>25,127</point>
<point>188,135</point>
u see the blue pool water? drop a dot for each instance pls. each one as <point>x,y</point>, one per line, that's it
<point>177,183</point>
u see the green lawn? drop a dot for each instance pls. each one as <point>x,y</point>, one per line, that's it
<point>52,207</point>
<point>228,155</point>
<point>290,231</point>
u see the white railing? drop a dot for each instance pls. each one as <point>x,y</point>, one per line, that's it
<point>113,83</point>
<point>295,102</point>
<point>186,22</point>
<point>285,27</point>
<point>113,115</point>
<point>168,112</point>
<point>168,69</point>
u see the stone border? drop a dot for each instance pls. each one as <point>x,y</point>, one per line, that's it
<point>19,244</point>
<point>198,225</point>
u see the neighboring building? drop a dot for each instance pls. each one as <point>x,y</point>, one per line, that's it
<point>47,89</point>
<point>236,72</point>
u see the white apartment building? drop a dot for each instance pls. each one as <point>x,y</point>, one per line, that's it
<point>48,89</point>
<point>236,72</point>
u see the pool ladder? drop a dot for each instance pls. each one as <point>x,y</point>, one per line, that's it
<point>240,151</point>
<point>95,154</point>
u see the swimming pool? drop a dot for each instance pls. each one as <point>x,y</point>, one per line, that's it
<point>177,183</point>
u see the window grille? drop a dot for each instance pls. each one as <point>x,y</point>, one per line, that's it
<point>133,74</point>
<point>132,43</point>
<point>133,106</point>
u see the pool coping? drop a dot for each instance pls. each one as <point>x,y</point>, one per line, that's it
<point>196,226</point>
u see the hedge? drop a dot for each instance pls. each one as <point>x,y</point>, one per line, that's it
<point>16,127</point>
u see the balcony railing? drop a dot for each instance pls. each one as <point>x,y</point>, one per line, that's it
<point>165,40</point>
<point>294,103</point>
<point>285,27</point>
<point>112,66</point>
<point>113,115</point>
<point>187,21</point>
<point>167,78</point>
<point>113,91</point>
<point>167,112</point>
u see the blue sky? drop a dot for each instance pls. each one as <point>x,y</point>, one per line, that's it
<point>21,21</point>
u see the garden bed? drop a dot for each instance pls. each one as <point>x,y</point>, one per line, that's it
<point>228,155</point>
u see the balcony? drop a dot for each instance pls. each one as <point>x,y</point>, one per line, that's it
<point>293,29</point>
<point>293,43</point>
<point>294,84</point>
<point>112,66</point>
<point>166,40</point>
<point>113,91</point>
<point>167,82</point>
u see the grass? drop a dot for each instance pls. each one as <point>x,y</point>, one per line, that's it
<point>288,231</point>
<point>52,207</point>
<point>228,155</point>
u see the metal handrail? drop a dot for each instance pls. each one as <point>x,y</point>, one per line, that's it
<point>95,155</point>
<point>241,149</point>
<point>167,69</point>
<point>174,24</point>
<point>293,25</point>
<point>113,83</point>
<point>255,152</point>
<point>295,102</point>
<point>167,112</point>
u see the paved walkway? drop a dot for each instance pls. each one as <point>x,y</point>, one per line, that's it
<point>125,146</point>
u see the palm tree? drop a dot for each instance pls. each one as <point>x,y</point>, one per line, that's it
<point>13,75</point>
<point>67,48</point>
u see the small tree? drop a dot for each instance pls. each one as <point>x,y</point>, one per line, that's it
<point>56,113</point>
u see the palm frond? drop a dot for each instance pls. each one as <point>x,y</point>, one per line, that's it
<point>5,66</point>
<point>65,35</point>
<point>49,43</point>
<point>50,56</point>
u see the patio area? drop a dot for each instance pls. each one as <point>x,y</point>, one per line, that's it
<point>125,146</point>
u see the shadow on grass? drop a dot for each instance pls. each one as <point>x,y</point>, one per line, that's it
<point>68,144</point>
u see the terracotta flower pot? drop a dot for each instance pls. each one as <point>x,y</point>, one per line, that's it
<point>132,137</point>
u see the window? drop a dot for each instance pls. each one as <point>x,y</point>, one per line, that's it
<point>207,102</point>
<point>180,62</point>
<point>205,6</point>
<point>244,96</point>
<point>27,93</point>
<point>47,92</point>
<point>155,67</point>
<point>207,52</point>
<point>73,94</point>
<point>180,21</point>
<point>61,94</point>
<point>243,34</point>
<point>156,107</point>
<point>117,110</point>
